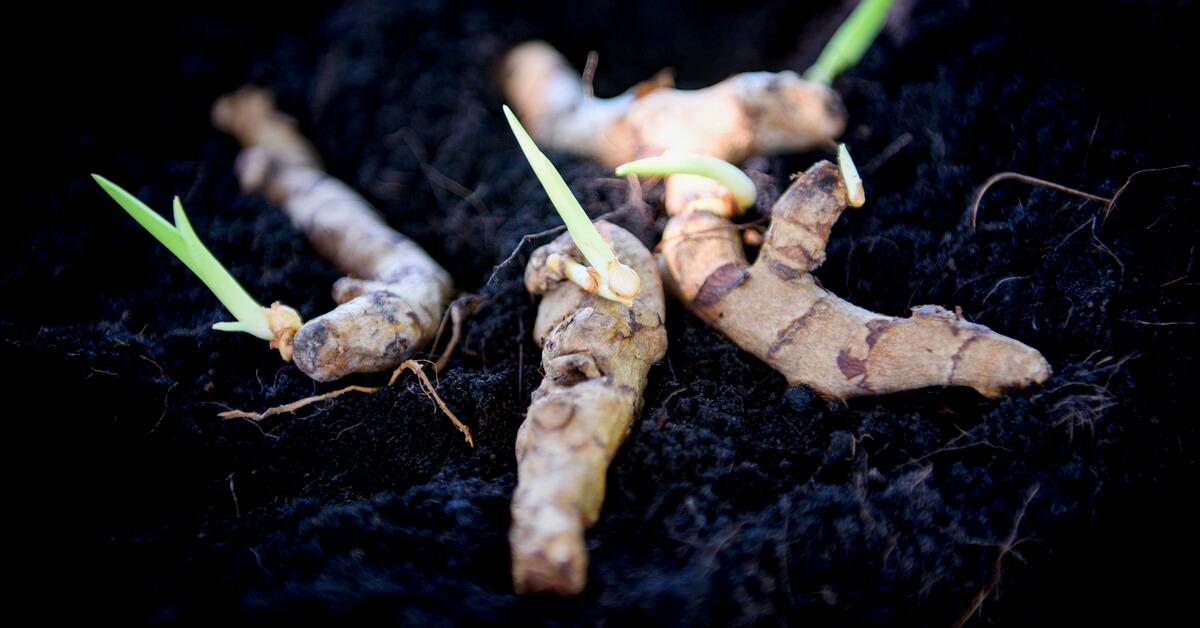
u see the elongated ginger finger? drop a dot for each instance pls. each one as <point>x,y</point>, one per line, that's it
<point>394,298</point>
<point>596,354</point>
<point>776,310</point>
<point>747,114</point>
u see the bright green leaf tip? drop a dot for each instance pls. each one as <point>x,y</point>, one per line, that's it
<point>586,237</point>
<point>182,240</point>
<point>681,162</point>
<point>850,42</point>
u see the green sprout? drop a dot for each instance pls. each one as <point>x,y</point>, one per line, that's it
<point>850,41</point>
<point>855,194</point>
<point>614,280</point>
<point>182,240</point>
<point>682,162</point>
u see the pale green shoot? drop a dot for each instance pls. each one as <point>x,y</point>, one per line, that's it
<point>855,194</point>
<point>850,41</point>
<point>182,240</point>
<point>682,162</point>
<point>622,280</point>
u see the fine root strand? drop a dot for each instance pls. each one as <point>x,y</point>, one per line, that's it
<point>887,153</point>
<point>513,255</point>
<point>1005,547</point>
<point>431,391</point>
<point>292,407</point>
<point>1112,204</point>
<point>459,310</point>
<point>973,208</point>
<point>589,73</point>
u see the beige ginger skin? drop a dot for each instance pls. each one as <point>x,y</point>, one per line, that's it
<point>596,355</point>
<point>393,299</point>
<point>747,114</point>
<point>776,309</point>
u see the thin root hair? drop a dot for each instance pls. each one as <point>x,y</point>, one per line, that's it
<point>973,208</point>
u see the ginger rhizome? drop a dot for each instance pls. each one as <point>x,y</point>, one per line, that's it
<point>747,114</point>
<point>596,354</point>
<point>394,296</point>
<point>777,310</point>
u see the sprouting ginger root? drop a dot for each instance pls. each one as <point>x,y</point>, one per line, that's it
<point>394,296</point>
<point>776,309</point>
<point>596,356</point>
<point>747,114</point>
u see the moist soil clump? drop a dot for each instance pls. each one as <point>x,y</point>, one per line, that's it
<point>736,499</point>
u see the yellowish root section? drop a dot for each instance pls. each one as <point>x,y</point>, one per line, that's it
<point>391,304</point>
<point>747,114</point>
<point>776,310</point>
<point>289,408</point>
<point>596,355</point>
<point>431,390</point>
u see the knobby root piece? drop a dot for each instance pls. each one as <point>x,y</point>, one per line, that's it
<point>596,354</point>
<point>293,406</point>
<point>776,310</point>
<point>428,387</point>
<point>747,114</point>
<point>393,299</point>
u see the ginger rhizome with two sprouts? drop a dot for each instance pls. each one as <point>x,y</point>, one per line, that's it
<point>600,328</point>
<point>775,308</point>
<point>596,354</point>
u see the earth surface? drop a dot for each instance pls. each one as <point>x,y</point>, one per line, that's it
<point>736,500</point>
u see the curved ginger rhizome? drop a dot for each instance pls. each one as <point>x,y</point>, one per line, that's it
<point>394,297</point>
<point>747,114</point>
<point>778,311</point>
<point>596,354</point>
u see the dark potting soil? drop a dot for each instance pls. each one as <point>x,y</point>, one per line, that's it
<point>736,500</point>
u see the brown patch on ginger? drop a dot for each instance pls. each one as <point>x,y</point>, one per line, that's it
<point>596,356</point>
<point>782,315</point>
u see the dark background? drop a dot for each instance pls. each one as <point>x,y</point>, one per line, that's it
<point>736,500</point>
